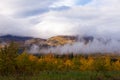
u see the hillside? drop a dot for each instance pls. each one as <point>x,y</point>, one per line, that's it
<point>43,43</point>
<point>8,38</point>
<point>61,40</point>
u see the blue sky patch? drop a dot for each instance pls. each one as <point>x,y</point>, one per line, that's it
<point>82,2</point>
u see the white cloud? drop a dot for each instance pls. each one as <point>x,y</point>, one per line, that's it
<point>98,17</point>
<point>102,19</point>
<point>60,3</point>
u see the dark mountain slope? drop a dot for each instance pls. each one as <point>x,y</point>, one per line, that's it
<point>9,38</point>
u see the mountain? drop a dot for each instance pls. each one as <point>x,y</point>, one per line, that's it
<point>36,44</point>
<point>61,40</point>
<point>6,39</point>
<point>50,42</point>
<point>9,38</point>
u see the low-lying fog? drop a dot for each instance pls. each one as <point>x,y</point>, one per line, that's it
<point>95,46</point>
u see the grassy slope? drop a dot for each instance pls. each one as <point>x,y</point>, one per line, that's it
<point>71,75</point>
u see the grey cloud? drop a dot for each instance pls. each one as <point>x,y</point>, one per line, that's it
<point>22,7</point>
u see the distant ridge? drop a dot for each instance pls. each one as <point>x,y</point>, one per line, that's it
<point>13,38</point>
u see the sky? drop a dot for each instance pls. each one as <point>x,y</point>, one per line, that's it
<point>46,18</point>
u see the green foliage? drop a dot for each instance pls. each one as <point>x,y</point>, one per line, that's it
<point>67,75</point>
<point>8,56</point>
